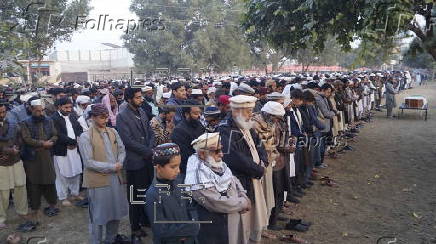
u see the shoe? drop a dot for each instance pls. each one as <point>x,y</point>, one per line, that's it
<point>82,204</point>
<point>300,221</point>
<point>310,183</point>
<point>305,186</point>
<point>122,239</point>
<point>292,199</point>
<point>348,148</point>
<point>27,226</point>
<point>50,211</point>
<point>275,227</point>
<point>300,191</point>
<point>297,194</point>
<point>297,227</point>
<point>322,166</point>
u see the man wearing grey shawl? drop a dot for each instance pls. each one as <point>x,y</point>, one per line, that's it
<point>221,197</point>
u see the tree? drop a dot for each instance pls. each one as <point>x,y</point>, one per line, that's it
<point>298,24</point>
<point>415,57</point>
<point>30,29</point>
<point>197,34</point>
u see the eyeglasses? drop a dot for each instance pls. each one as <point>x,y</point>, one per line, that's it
<point>217,151</point>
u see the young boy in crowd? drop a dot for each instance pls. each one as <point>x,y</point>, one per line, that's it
<point>165,203</point>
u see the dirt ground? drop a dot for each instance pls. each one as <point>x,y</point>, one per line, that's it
<point>387,187</point>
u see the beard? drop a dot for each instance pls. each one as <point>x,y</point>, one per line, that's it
<point>214,163</point>
<point>243,123</point>
<point>38,119</point>
<point>193,122</point>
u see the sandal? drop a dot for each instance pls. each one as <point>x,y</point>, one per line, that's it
<point>329,182</point>
<point>13,239</point>
<point>50,212</point>
<point>269,235</point>
<point>292,239</point>
<point>28,226</point>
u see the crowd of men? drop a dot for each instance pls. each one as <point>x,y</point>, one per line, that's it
<point>199,161</point>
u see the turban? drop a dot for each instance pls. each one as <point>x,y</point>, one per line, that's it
<point>242,101</point>
<point>206,141</point>
<point>83,99</point>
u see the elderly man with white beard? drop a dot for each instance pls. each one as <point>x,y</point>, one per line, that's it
<point>221,197</point>
<point>246,157</point>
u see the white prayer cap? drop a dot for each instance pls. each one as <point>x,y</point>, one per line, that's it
<point>146,89</point>
<point>37,102</point>
<point>321,82</point>
<point>173,81</point>
<point>242,101</point>
<point>81,99</point>
<point>275,96</point>
<point>372,74</point>
<point>166,95</point>
<point>297,86</point>
<point>207,141</point>
<point>309,78</point>
<point>27,96</point>
<point>76,85</point>
<point>217,83</point>
<point>244,88</point>
<point>197,92</point>
<point>379,74</point>
<point>273,108</point>
<point>211,90</point>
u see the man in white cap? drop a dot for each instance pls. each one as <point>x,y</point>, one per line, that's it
<point>148,105</point>
<point>266,126</point>
<point>247,158</point>
<point>211,99</point>
<point>220,195</point>
<point>39,136</point>
<point>82,103</point>
<point>197,94</point>
<point>23,111</point>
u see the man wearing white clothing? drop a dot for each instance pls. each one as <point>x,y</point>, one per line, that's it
<point>67,162</point>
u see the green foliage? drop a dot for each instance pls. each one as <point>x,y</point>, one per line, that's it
<point>301,24</point>
<point>28,29</point>
<point>198,34</point>
<point>415,57</point>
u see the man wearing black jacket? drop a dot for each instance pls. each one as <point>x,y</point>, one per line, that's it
<point>189,129</point>
<point>245,155</point>
<point>138,138</point>
<point>67,162</point>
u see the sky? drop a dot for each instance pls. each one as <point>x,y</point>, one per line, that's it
<point>91,39</point>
